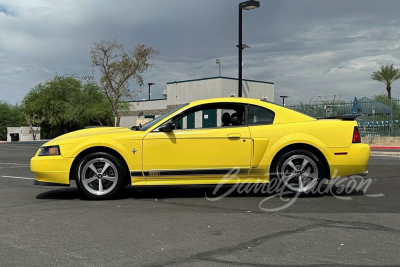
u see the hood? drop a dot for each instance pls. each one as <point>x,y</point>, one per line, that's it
<point>90,133</point>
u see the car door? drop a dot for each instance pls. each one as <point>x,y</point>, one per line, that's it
<point>202,149</point>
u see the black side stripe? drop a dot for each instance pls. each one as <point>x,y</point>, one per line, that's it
<point>188,172</point>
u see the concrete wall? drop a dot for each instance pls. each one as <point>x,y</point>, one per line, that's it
<point>187,91</point>
<point>25,133</point>
<point>184,92</point>
<point>258,90</point>
<point>382,140</point>
<point>138,106</point>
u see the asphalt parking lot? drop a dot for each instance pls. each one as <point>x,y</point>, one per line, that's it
<point>189,226</point>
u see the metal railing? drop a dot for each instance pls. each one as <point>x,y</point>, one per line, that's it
<point>374,118</point>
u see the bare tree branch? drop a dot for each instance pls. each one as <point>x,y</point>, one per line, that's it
<point>118,68</point>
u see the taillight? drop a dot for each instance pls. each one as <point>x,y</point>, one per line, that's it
<point>356,135</point>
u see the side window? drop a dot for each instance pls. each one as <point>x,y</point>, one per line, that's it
<point>211,116</point>
<point>260,116</point>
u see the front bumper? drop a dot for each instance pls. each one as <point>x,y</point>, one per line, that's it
<point>48,184</point>
<point>51,169</point>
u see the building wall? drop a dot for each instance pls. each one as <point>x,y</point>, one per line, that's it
<point>136,107</point>
<point>184,92</point>
<point>258,90</point>
<point>187,91</point>
<point>24,132</point>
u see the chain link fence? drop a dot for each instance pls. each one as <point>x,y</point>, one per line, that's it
<point>374,118</point>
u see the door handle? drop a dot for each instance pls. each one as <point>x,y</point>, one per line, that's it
<point>233,135</point>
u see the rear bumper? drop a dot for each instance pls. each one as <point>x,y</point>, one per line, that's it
<point>348,161</point>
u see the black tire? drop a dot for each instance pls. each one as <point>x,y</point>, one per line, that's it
<point>300,171</point>
<point>100,175</point>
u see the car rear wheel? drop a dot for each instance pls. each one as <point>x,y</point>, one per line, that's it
<point>300,171</point>
<point>100,175</point>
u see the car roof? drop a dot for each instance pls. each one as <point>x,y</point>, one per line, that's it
<point>244,100</point>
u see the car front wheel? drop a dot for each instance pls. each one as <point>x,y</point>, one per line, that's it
<point>100,175</point>
<point>300,171</point>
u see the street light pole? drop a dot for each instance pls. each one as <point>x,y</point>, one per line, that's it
<point>150,84</point>
<point>283,99</point>
<point>251,4</point>
<point>218,61</point>
<point>240,46</point>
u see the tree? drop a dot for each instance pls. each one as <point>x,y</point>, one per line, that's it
<point>118,69</point>
<point>10,116</point>
<point>93,106</point>
<point>383,99</point>
<point>387,75</point>
<point>63,105</point>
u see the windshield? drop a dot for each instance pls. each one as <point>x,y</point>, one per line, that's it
<point>151,123</point>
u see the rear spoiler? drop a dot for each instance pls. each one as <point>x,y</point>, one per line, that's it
<point>346,117</point>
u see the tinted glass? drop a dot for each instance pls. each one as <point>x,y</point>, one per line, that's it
<point>260,115</point>
<point>211,116</point>
<point>157,120</point>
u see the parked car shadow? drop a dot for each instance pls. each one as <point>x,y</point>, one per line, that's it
<point>202,191</point>
<point>61,194</point>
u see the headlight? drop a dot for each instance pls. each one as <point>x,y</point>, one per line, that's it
<point>50,151</point>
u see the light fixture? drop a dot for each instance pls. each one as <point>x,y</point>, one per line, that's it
<point>249,5</point>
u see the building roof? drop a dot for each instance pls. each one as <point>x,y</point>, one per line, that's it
<point>218,77</point>
<point>146,100</point>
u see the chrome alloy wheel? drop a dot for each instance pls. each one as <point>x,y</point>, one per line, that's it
<point>299,173</point>
<point>99,176</point>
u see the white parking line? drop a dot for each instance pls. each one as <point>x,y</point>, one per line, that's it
<point>33,151</point>
<point>16,177</point>
<point>18,164</point>
<point>10,167</point>
<point>385,154</point>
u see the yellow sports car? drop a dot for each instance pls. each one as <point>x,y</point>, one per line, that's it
<point>228,140</point>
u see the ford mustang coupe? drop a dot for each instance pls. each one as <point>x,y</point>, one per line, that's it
<point>221,140</point>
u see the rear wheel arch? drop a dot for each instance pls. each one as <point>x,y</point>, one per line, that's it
<point>94,150</point>
<point>302,146</point>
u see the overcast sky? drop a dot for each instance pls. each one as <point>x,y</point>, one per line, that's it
<point>306,47</point>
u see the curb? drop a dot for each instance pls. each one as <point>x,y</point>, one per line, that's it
<point>386,147</point>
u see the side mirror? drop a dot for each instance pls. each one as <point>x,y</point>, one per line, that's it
<point>168,127</point>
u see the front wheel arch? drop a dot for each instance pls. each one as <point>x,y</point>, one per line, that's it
<point>94,150</point>
<point>301,146</point>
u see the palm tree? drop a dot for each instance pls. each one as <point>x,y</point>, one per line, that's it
<point>386,75</point>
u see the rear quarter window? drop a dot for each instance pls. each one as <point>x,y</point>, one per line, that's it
<point>260,115</point>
